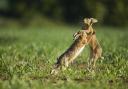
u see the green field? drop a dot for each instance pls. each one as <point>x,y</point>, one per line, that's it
<point>27,56</point>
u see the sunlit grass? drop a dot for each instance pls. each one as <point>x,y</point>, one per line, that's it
<point>27,55</point>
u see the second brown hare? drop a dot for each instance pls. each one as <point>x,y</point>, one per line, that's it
<point>95,47</point>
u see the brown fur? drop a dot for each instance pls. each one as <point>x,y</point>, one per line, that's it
<point>95,48</point>
<point>83,37</point>
<point>72,52</point>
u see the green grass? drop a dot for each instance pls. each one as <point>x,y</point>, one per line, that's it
<point>27,56</point>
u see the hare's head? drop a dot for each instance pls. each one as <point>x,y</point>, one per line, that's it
<point>80,34</point>
<point>88,22</point>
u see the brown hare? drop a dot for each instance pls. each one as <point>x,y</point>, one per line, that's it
<point>95,47</point>
<point>72,52</point>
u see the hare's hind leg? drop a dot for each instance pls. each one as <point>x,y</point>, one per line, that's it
<point>94,61</point>
<point>90,59</point>
<point>55,69</point>
<point>65,64</point>
<point>97,54</point>
<point>94,57</point>
<point>60,65</point>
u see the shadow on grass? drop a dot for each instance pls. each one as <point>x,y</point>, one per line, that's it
<point>7,40</point>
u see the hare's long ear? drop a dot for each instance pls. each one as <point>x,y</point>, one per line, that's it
<point>93,20</point>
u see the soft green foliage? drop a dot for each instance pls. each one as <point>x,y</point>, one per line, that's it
<point>108,12</point>
<point>27,56</point>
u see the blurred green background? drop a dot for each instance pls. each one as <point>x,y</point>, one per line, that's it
<point>108,12</point>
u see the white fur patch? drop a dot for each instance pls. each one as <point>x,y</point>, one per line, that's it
<point>78,52</point>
